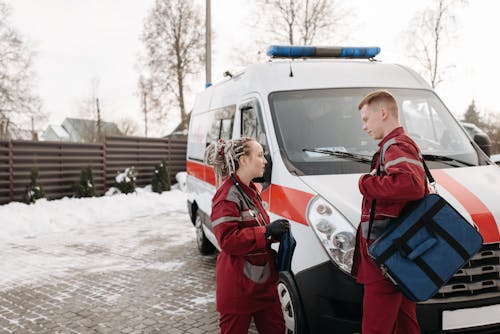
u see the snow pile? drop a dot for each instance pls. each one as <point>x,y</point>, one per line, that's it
<point>181,180</point>
<point>127,176</point>
<point>19,220</point>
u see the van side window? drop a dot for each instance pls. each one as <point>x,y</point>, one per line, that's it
<point>214,131</point>
<point>222,124</point>
<point>226,128</point>
<point>199,131</point>
<point>251,122</point>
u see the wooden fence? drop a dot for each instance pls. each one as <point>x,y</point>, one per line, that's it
<point>59,163</point>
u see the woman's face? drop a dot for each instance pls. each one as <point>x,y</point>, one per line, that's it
<point>253,163</point>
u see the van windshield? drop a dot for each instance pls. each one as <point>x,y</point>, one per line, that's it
<point>309,123</point>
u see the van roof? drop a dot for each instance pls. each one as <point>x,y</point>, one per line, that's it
<point>265,78</point>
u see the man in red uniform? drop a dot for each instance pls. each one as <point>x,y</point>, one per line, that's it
<point>402,179</point>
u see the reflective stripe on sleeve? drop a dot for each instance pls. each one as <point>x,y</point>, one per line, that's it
<point>399,160</point>
<point>224,220</point>
<point>385,147</point>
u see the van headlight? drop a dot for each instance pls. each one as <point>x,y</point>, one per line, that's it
<point>335,233</point>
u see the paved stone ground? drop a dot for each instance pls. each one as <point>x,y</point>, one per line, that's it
<point>112,284</point>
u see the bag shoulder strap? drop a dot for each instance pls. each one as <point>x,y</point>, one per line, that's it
<point>374,202</point>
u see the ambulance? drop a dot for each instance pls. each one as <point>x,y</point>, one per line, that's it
<point>301,106</point>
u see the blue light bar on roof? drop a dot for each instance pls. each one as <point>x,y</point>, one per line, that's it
<point>282,51</point>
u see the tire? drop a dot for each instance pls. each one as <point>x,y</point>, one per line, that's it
<point>204,245</point>
<point>290,305</point>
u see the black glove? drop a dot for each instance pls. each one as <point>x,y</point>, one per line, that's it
<point>276,229</point>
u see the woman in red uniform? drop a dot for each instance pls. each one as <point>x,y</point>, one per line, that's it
<point>246,275</point>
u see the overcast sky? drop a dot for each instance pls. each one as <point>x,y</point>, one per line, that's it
<point>77,41</point>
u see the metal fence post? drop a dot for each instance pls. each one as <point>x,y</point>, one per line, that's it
<point>169,159</point>
<point>11,172</point>
<point>103,148</point>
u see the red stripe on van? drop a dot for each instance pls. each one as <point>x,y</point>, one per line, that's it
<point>209,175</point>
<point>289,203</point>
<point>286,202</point>
<point>480,214</point>
<point>195,169</point>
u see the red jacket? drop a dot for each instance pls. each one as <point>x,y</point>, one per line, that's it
<point>402,179</point>
<point>246,275</point>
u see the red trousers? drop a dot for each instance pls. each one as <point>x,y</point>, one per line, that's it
<point>387,311</point>
<point>268,321</point>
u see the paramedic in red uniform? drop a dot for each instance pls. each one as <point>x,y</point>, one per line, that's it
<point>246,275</point>
<point>402,179</point>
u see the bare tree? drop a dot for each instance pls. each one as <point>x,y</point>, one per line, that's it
<point>173,37</point>
<point>305,21</point>
<point>127,126</point>
<point>145,91</point>
<point>20,108</point>
<point>428,35</point>
<point>89,109</point>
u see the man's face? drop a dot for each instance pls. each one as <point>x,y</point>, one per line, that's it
<point>372,120</point>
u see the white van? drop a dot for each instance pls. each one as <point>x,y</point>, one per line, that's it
<point>304,112</point>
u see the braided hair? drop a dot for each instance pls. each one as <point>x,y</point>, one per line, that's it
<point>223,155</point>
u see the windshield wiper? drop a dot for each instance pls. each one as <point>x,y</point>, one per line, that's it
<point>340,154</point>
<point>447,160</point>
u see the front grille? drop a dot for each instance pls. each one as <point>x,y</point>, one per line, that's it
<point>481,275</point>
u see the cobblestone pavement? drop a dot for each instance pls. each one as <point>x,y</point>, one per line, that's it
<point>144,277</point>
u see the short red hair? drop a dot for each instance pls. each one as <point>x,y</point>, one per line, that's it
<point>382,97</point>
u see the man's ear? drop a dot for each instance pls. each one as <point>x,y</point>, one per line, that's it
<point>384,112</point>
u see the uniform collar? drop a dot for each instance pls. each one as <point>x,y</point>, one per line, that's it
<point>251,189</point>
<point>394,133</point>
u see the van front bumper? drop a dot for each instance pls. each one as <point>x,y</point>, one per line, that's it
<point>331,300</point>
<point>430,315</point>
<point>332,303</point>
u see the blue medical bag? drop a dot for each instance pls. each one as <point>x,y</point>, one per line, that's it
<point>421,250</point>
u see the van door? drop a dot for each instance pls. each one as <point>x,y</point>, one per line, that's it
<point>251,125</point>
<point>220,128</point>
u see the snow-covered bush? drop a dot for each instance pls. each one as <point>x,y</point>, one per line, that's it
<point>125,181</point>
<point>85,187</point>
<point>181,180</point>
<point>33,190</point>
<point>161,180</point>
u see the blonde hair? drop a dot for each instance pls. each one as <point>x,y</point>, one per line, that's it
<point>383,97</point>
<point>223,155</point>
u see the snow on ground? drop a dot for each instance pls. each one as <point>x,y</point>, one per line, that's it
<point>19,220</point>
<point>58,238</point>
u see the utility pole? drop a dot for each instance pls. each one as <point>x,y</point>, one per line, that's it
<point>99,123</point>
<point>145,111</point>
<point>34,135</point>
<point>208,44</point>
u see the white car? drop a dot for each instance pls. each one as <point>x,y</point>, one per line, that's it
<point>496,159</point>
<point>478,136</point>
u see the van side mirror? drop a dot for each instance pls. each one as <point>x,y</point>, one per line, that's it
<point>482,140</point>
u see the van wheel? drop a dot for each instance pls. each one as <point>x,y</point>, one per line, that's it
<point>290,304</point>
<point>204,245</point>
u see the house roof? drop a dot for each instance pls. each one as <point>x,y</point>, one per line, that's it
<point>59,131</point>
<point>78,129</point>
<point>80,125</point>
